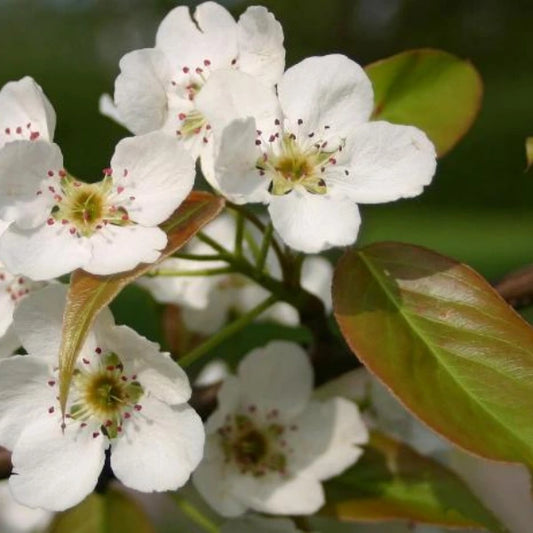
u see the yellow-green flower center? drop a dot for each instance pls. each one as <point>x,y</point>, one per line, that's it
<point>288,165</point>
<point>105,394</point>
<point>86,207</point>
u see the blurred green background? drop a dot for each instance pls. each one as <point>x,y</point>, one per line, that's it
<point>477,209</point>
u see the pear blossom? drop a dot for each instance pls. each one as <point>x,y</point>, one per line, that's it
<point>25,112</point>
<point>58,223</point>
<point>157,87</point>
<point>269,444</point>
<point>16,518</point>
<point>207,300</point>
<point>126,397</point>
<point>311,153</point>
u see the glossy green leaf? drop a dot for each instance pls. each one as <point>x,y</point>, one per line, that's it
<point>392,481</point>
<point>112,512</point>
<point>89,294</point>
<point>444,342</point>
<point>431,89</point>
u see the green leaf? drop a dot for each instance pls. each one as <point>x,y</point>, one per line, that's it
<point>112,512</point>
<point>444,342</point>
<point>392,481</point>
<point>89,294</point>
<point>431,89</point>
<point>529,152</point>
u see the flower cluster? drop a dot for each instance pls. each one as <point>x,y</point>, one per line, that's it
<point>211,90</point>
<point>269,444</point>
<point>126,397</point>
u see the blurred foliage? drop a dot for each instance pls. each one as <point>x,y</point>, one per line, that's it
<point>477,208</point>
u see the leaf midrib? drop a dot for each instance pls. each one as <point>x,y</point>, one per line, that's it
<point>416,330</point>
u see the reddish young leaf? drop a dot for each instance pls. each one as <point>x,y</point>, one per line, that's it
<point>444,342</point>
<point>89,294</point>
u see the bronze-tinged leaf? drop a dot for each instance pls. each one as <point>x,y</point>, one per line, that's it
<point>89,294</point>
<point>444,342</point>
<point>112,512</point>
<point>431,89</point>
<point>392,481</point>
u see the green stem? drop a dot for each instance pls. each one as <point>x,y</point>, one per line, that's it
<point>199,257</point>
<point>201,272</point>
<point>189,510</point>
<point>252,244</point>
<point>239,235</point>
<point>214,244</point>
<point>265,245</point>
<point>261,226</point>
<point>226,332</point>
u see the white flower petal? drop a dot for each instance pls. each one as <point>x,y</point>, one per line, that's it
<point>270,494</point>
<point>311,223</point>
<point>212,35</point>
<point>260,40</point>
<point>157,372</point>
<point>25,112</point>
<point>215,480</point>
<point>326,91</point>
<point>9,342</point>
<point>230,95</point>
<point>39,321</point>
<point>55,469</point>
<point>191,291</point>
<point>121,248</point>
<point>156,171</point>
<point>159,447</point>
<point>23,169</point>
<point>235,174</point>
<point>277,376</point>
<point>317,277</point>
<point>212,373</point>
<point>107,107</point>
<point>42,253</point>
<point>228,399</point>
<point>16,518</point>
<point>326,441</point>
<point>210,319</point>
<point>141,90</point>
<point>7,306</point>
<point>388,162</point>
<point>24,395</point>
<point>354,385</point>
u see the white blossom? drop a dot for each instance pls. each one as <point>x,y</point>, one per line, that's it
<point>58,223</point>
<point>207,300</point>
<point>269,445</point>
<point>17,518</point>
<point>157,87</point>
<point>126,396</point>
<point>12,290</point>
<point>311,153</point>
<point>25,112</point>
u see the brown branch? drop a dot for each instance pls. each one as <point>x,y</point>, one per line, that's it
<point>517,287</point>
